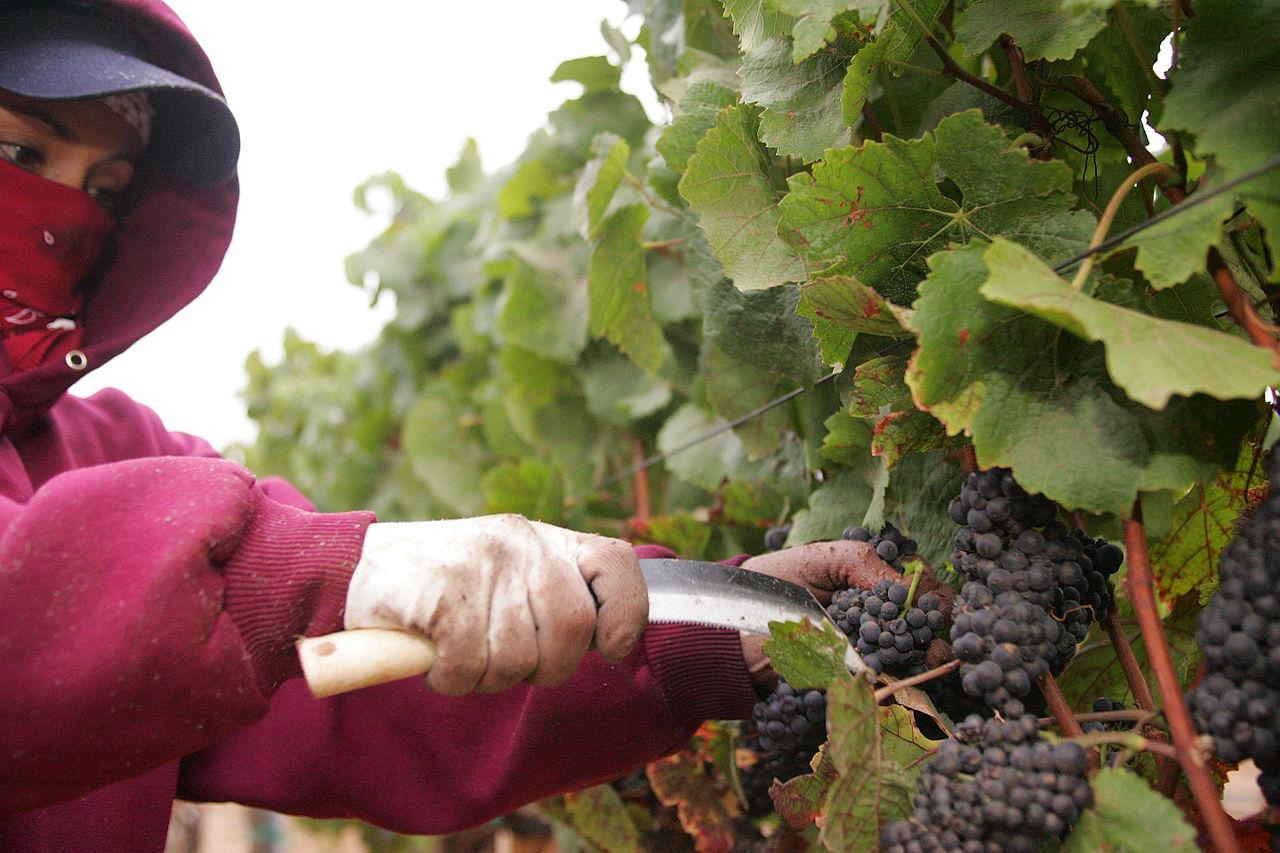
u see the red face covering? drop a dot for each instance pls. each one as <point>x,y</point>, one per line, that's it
<point>50,237</point>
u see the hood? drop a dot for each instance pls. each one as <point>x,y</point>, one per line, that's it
<point>166,247</point>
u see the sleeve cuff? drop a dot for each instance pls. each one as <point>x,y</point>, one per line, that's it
<point>700,671</point>
<point>287,579</point>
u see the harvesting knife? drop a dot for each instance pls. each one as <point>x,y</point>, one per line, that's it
<point>679,591</point>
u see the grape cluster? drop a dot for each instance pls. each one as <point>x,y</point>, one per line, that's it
<point>994,788</point>
<point>890,636</point>
<point>891,546</point>
<point>789,718</point>
<point>770,765</point>
<point>1101,705</point>
<point>1238,702</point>
<point>1005,643</point>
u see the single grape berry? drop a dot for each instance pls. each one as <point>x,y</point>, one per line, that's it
<point>775,538</point>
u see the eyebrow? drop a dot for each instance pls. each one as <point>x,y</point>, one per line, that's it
<point>60,130</point>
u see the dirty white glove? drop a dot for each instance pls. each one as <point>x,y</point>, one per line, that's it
<point>503,598</point>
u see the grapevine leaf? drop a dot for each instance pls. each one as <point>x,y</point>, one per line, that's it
<point>801,103</point>
<point>617,40</point>
<point>799,801</point>
<point>1044,29</point>
<point>707,463</point>
<point>595,73</point>
<point>808,656</point>
<point>601,817</point>
<point>466,174</point>
<point>1096,670</point>
<point>848,439</point>
<point>762,328</point>
<point>532,180</point>
<point>1171,251</point>
<point>735,388</point>
<point>598,184</point>
<point>682,533</point>
<point>877,211</point>
<point>843,496</point>
<point>895,44</point>
<point>1224,93</point>
<point>530,488</point>
<point>872,789</point>
<point>1151,358</point>
<point>695,115</point>
<point>814,22</point>
<point>544,308</point>
<point>1038,400</point>
<point>576,123</point>
<point>1127,816</point>
<point>727,184</point>
<point>881,396</point>
<point>706,812</point>
<point>618,392</point>
<point>834,342</point>
<point>901,743</point>
<point>1122,56</point>
<point>754,23</point>
<point>439,447</point>
<point>619,290</point>
<point>920,487</point>
<point>899,434</point>
<point>878,387</point>
<point>1185,560</point>
<point>850,304</point>
<point>750,504</point>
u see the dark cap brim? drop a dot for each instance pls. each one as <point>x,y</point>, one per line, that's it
<point>55,55</point>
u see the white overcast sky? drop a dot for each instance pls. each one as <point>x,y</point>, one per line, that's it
<point>326,95</point>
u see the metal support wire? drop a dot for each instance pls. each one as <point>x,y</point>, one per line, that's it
<point>1105,246</point>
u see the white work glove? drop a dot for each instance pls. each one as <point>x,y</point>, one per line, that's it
<point>503,598</point>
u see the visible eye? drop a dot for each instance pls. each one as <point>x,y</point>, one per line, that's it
<point>107,197</point>
<point>23,156</point>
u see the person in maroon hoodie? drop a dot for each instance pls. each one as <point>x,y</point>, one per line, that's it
<point>151,592</point>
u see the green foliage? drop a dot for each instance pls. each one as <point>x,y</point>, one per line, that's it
<point>829,192</point>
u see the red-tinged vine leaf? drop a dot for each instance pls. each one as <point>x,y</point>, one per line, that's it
<point>727,183</point>
<point>876,751</point>
<point>876,212</point>
<point>1150,357</point>
<point>799,801</point>
<point>600,816</point>
<point>881,396</point>
<point>915,699</point>
<point>1186,559</point>
<point>705,808</point>
<point>1039,400</point>
<point>1127,816</point>
<point>851,304</point>
<point>808,655</point>
<point>1096,671</point>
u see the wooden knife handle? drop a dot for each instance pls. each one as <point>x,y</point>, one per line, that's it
<point>348,660</point>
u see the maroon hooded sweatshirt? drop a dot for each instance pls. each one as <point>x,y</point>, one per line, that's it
<point>150,595</point>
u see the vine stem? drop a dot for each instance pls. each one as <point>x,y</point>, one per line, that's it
<point>1160,748</point>
<point>1128,662</point>
<point>1063,715</point>
<point>1108,216</point>
<point>953,69</point>
<point>640,485</point>
<point>1138,717</point>
<point>929,675</point>
<point>969,459</point>
<point>1140,585</point>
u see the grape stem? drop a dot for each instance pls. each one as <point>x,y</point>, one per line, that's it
<point>1136,717</point>
<point>1140,586</point>
<point>1127,739</point>
<point>640,485</point>
<point>1063,715</point>
<point>915,582</point>
<point>928,675</point>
